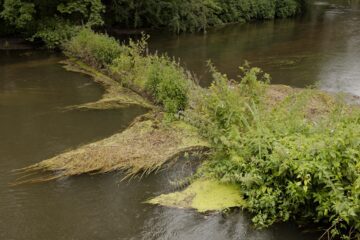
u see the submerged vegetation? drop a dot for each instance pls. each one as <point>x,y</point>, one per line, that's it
<point>293,154</point>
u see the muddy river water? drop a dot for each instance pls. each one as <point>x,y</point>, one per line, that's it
<point>322,47</point>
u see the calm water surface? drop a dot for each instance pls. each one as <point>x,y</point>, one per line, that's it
<point>322,47</point>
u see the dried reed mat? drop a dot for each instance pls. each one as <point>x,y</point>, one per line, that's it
<point>115,96</point>
<point>142,148</point>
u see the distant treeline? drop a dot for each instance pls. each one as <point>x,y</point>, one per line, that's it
<point>53,21</point>
<point>195,15</point>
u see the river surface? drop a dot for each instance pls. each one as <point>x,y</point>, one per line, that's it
<point>322,47</point>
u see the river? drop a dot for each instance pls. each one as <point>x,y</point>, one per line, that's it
<point>322,47</point>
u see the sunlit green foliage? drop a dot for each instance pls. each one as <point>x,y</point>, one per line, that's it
<point>288,166</point>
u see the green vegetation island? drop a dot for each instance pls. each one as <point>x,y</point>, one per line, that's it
<point>281,153</point>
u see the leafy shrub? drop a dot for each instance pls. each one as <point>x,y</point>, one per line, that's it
<point>288,167</point>
<point>168,84</point>
<point>96,49</point>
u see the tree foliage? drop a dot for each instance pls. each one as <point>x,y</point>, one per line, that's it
<point>195,15</point>
<point>51,21</point>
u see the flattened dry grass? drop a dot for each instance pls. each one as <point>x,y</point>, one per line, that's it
<point>115,96</point>
<point>318,102</point>
<point>143,148</point>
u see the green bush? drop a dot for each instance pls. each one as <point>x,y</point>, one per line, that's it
<point>168,84</point>
<point>95,49</point>
<point>288,166</point>
<point>228,103</point>
<point>158,76</point>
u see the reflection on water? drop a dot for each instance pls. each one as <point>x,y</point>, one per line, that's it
<point>321,47</point>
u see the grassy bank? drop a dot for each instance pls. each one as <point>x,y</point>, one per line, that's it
<point>293,154</point>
